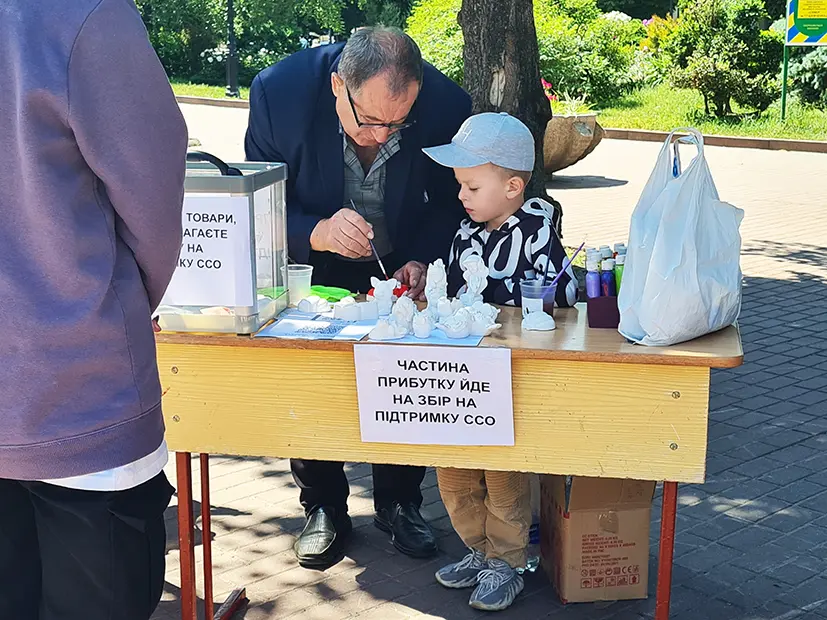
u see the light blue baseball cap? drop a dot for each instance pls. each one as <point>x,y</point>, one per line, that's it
<point>488,138</point>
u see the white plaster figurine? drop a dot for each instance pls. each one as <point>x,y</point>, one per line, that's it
<point>383,294</point>
<point>481,322</point>
<point>387,329</point>
<point>538,321</point>
<point>403,312</point>
<point>457,325</point>
<point>436,284</point>
<point>443,309</point>
<point>313,305</point>
<point>475,274</point>
<point>423,325</point>
<point>347,310</point>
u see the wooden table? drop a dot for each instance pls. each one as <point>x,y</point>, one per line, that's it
<point>586,403</point>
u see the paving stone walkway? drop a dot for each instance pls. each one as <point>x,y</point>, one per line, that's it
<point>752,540</point>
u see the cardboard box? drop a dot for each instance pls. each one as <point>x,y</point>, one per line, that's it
<point>594,537</point>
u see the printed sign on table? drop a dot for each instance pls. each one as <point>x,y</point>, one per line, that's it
<point>215,266</point>
<point>434,395</point>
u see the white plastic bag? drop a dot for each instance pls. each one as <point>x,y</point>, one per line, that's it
<point>682,277</point>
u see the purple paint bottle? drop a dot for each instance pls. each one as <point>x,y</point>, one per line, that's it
<point>592,279</point>
<point>608,288</point>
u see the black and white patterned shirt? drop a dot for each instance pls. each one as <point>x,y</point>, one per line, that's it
<point>517,250</point>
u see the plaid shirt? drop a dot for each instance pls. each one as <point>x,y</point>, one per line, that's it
<point>368,190</point>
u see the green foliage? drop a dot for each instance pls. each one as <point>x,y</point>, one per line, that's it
<point>190,36</point>
<point>433,25</point>
<point>659,31</point>
<point>581,52</point>
<point>776,8</point>
<point>720,50</point>
<point>387,12</point>
<point>640,9</point>
<point>808,75</point>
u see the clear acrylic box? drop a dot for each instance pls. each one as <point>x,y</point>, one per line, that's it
<point>231,274</point>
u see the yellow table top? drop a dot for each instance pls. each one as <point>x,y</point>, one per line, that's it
<point>572,340</point>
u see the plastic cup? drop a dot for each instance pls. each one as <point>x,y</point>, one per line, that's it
<point>298,282</point>
<point>537,297</point>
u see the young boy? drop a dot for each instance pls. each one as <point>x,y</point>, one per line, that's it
<point>492,156</point>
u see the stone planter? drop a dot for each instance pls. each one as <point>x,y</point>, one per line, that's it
<point>569,139</point>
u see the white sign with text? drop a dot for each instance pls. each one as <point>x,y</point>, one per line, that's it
<point>434,395</point>
<point>215,265</point>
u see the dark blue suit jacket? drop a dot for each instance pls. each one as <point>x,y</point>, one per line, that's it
<point>293,120</point>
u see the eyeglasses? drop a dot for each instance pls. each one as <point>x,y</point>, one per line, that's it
<point>361,125</point>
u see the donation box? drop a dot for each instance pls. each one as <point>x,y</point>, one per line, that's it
<point>231,273</point>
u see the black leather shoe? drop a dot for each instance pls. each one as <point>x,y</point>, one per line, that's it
<point>408,530</point>
<point>322,542</point>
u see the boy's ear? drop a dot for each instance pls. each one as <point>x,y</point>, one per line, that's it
<point>514,187</point>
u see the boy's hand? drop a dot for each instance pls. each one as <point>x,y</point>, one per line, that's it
<point>346,234</point>
<point>412,274</point>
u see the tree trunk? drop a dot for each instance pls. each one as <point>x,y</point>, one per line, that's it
<point>502,69</point>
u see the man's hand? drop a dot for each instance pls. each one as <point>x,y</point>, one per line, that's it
<point>155,327</point>
<point>413,274</point>
<point>346,233</point>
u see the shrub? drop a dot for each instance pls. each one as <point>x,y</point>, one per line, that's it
<point>808,75</point>
<point>720,50</point>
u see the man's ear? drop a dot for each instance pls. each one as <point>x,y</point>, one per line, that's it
<point>336,83</point>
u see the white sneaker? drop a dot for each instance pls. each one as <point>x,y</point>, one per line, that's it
<point>462,574</point>
<point>499,585</point>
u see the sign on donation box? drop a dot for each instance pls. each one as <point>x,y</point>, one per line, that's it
<point>214,267</point>
<point>434,395</point>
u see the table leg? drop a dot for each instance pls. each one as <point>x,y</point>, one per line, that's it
<point>206,534</point>
<point>186,542</point>
<point>667,549</point>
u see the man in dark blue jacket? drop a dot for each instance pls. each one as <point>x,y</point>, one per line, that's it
<point>350,122</point>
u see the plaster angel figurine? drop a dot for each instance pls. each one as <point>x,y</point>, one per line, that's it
<point>475,274</point>
<point>383,294</point>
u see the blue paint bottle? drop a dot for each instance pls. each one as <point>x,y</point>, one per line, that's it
<point>592,278</point>
<point>608,288</point>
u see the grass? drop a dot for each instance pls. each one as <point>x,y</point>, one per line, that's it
<point>203,90</point>
<point>663,108</point>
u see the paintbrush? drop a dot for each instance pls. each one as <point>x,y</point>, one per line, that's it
<point>372,247</point>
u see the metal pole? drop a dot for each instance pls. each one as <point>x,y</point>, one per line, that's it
<point>784,84</point>
<point>232,58</point>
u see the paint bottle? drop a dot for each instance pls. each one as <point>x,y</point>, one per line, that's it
<point>620,261</point>
<point>620,248</point>
<point>608,288</point>
<point>606,252</point>
<point>592,278</point>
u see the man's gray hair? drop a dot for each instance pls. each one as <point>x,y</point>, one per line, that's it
<point>381,50</point>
